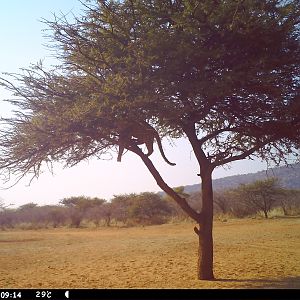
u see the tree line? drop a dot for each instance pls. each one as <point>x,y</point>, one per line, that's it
<point>148,208</point>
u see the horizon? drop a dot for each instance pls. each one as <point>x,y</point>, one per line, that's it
<point>160,191</point>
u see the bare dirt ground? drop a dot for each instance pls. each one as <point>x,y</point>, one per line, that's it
<point>248,254</point>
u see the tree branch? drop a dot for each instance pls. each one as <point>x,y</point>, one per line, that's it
<point>189,130</point>
<point>204,162</point>
<point>161,183</point>
<point>242,155</point>
<point>213,134</point>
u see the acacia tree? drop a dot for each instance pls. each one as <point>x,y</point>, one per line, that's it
<point>120,206</point>
<point>260,195</point>
<point>289,200</point>
<point>224,74</point>
<point>149,208</point>
<point>79,206</point>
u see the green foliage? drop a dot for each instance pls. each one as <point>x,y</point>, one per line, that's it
<point>82,203</point>
<point>120,205</point>
<point>260,195</point>
<point>149,208</point>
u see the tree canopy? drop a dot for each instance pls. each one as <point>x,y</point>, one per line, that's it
<point>210,68</point>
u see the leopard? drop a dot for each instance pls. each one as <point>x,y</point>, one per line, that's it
<point>139,133</point>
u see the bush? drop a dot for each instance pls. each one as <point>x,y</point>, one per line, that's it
<point>149,209</point>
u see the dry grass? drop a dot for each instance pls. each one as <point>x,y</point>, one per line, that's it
<point>248,254</point>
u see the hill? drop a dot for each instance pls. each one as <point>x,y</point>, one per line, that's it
<point>289,178</point>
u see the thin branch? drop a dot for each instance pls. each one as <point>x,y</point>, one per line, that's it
<point>242,155</point>
<point>213,134</point>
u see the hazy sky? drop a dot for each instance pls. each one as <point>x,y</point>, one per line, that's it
<point>22,43</point>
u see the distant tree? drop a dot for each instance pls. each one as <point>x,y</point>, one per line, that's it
<point>289,200</point>
<point>120,205</point>
<point>237,207</point>
<point>6,216</point>
<point>149,208</point>
<point>78,207</point>
<point>57,215</point>
<point>106,213</point>
<point>27,206</point>
<point>98,212</point>
<point>222,201</point>
<point>260,195</point>
<point>30,214</point>
<point>223,74</point>
<point>82,202</point>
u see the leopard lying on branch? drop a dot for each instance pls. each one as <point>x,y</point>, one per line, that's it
<point>139,133</point>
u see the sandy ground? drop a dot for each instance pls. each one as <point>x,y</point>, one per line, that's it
<point>247,254</point>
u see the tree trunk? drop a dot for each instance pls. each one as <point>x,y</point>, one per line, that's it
<point>284,208</point>
<point>204,219</point>
<point>205,252</point>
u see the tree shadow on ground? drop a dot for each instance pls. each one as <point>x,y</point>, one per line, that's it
<point>284,283</point>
